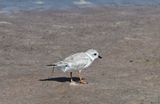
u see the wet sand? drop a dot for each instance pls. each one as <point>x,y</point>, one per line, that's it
<point>128,38</point>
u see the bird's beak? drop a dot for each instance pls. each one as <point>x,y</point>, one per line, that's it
<point>100,57</point>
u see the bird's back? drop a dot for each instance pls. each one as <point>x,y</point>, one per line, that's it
<point>78,61</point>
<point>74,62</point>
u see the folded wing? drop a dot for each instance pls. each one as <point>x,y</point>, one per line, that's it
<point>78,61</point>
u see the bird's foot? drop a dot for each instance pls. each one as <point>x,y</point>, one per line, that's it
<point>83,82</point>
<point>73,83</point>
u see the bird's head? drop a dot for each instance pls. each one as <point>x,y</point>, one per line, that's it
<point>93,54</point>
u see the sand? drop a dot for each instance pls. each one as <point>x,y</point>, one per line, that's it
<point>128,39</point>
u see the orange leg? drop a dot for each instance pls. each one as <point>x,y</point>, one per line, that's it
<point>81,79</point>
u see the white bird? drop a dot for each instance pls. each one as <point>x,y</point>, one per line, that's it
<point>77,62</point>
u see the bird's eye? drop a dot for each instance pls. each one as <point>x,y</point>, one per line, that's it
<point>95,54</point>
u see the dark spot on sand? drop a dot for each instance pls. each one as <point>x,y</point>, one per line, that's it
<point>130,60</point>
<point>147,60</point>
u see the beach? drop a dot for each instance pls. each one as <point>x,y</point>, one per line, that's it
<point>127,37</point>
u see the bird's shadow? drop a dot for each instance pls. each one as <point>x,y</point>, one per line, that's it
<point>60,79</point>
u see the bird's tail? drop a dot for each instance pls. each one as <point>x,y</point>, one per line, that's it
<point>59,66</point>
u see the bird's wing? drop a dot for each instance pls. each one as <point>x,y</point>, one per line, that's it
<point>78,61</point>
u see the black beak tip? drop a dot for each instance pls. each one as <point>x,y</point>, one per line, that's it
<point>100,57</point>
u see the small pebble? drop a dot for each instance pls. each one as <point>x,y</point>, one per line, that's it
<point>130,60</point>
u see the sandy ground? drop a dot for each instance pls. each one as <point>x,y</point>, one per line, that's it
<point>128,38</point>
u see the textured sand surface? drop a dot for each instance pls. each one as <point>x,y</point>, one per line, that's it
<point>128,38</point>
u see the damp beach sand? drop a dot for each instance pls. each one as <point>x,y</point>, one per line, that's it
<point>128,38</point>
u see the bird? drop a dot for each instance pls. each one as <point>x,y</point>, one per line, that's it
<point>76,62</point>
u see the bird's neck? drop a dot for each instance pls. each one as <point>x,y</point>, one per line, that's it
<point>89,56</point>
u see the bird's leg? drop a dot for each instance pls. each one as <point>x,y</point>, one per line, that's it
<point>72,82</point>
<point>82,81</point>
<point>71,77</point>
<point>79,74</point>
